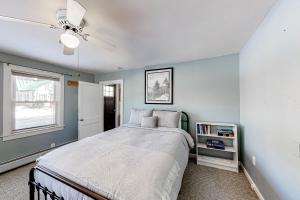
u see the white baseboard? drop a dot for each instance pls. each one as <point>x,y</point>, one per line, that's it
<point>20,162</point>
<point>24,160</point>
<point>253,185</point>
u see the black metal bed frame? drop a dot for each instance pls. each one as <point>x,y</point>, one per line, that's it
<point>34,186</point>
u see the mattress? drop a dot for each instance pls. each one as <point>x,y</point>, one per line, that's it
<point>126,163</point>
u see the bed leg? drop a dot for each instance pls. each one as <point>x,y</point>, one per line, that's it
<point>31,184</point>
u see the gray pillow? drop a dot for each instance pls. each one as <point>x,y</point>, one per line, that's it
<point>136,115</point>
<point>149,122</point>
<point>167,118</point>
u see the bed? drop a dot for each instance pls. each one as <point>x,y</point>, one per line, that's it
<point>125,163</point>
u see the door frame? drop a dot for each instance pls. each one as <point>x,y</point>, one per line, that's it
<point>113,82</point>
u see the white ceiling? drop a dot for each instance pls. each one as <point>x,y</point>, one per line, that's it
<point>143,32</point>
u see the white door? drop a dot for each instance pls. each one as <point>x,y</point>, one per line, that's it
<point>90,109</point>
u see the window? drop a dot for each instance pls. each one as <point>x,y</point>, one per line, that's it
<point>33,99</point>
<point>32,102</point>
<point>108,91</point>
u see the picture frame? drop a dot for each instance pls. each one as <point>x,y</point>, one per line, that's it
<point>159,86</point>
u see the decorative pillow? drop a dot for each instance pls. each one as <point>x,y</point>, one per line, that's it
<point>167,118</point>
<point>136,115</point>
<point>149,122</point>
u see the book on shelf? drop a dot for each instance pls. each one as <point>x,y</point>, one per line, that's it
<point>225,132</point>
<point>203,129</point>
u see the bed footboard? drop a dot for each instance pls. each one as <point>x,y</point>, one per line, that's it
<point>34,186</point>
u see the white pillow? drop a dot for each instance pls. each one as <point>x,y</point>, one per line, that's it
<point>136,115</point>
<point>167,118</point>
<point>149,122</point>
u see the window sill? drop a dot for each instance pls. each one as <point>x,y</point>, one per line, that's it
<point>28,133</point>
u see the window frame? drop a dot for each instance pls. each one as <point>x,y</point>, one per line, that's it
<point>7,132</point>
<point>108,93</point>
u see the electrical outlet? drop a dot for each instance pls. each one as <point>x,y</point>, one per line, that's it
<point>253,160</point>
<point>52,145</point>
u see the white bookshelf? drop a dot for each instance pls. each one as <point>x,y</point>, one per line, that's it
<point>227,149</point>
<point>230,159</point>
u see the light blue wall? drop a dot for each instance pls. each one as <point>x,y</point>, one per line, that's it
<point>270,102</point>
<point>206,89</point>
<point>13,149</point>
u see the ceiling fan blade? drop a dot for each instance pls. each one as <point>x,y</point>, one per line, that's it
<point>68,51</point>
<point>99,41</point>
<point>13,19</point>
<point>75,12</point>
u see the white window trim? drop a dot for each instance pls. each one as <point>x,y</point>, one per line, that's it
<point>7,133</point>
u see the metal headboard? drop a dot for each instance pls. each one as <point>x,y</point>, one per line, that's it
<point>184,121</point>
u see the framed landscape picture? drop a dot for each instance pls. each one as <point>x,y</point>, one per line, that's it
<point>159,86</point>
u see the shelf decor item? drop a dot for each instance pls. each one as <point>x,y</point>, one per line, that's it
<point>217,145</point>
<point>159,86</point>
<point>225,132</point>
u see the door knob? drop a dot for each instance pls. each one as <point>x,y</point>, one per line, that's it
<point>81,120</point>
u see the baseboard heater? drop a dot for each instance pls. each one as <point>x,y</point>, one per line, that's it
<point>18,162</point>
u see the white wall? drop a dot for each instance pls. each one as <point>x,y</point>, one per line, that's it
<point>206,89</point>
<point>270,102</point>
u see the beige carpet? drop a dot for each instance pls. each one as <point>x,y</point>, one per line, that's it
<point>199,183</point>
<point>206,183</point>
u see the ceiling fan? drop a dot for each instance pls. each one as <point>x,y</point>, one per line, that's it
<point>70,21</point>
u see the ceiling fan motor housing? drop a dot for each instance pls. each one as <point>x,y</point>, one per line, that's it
<point>61,15</point>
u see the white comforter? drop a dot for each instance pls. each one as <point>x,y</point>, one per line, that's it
<point>126,163</point>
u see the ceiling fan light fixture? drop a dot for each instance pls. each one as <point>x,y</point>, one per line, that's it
<point>69,39</point>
